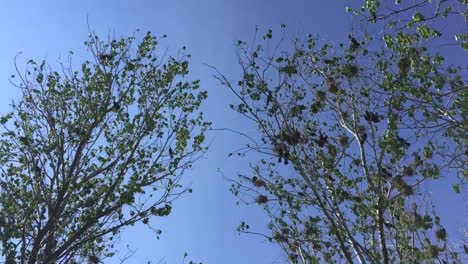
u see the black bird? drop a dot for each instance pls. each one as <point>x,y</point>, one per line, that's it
<point>116,106</point>
<point>386,173</point>
<point>363,138</point>
<point>171,153</point>
<point>354,45</point>
<point>323,139</point>
<point>371,117</point>
<point>402,141</point>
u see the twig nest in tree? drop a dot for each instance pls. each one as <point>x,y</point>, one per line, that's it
<point>441,234</point>
<point>433,251</point>
<point>404,65</point>
<point>261,199</point>
<point>350,70</point>
<point>321,95</point>
<point>343,140</point>
<point>408,171</point>
<point>258,182</point>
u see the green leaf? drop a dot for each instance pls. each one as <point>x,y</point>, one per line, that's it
<point>388,41</point>
<point>424,31</point>
<point>418,17</point>
<point>39,78</point>
<point>446,11</point>
<point>464,45</point>
<point>456,188</point>
<point>4,119</point>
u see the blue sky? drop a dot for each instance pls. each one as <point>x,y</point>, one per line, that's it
<point>202,223</point>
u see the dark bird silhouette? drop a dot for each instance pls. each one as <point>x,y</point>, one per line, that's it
<point>371,117</point>
<point>322,140</point>
<point>171,153</point>
<point>116,106</point>
<point>363,138</point>
<point>353,44</point>
<point>386,173</point>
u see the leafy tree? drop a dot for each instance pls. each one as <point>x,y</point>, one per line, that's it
<point>420,26</point>
<point>422,16</point>
<point>86,153</point>
<point>355,131</point>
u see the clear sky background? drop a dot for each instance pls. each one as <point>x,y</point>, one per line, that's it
<point>202,223</point>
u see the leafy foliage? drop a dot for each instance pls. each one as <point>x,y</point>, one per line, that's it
<point>371,125</point>
<point>85,153</point>
<point>421,17</point>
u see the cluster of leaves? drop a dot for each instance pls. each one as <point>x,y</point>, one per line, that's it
<point>374,124</point>
<point>421,17</point>
<point>417,38</point>
<point>86,153</point>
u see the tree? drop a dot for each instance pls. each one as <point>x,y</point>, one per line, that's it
<point>420,25</point>
<point>420,15</point>
<point>355,131</point>
<point>84,154</point>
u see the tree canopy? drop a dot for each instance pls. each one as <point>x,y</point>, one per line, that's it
<point>86,153</point>
<point>356,130</point>
<point>351,136</point>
